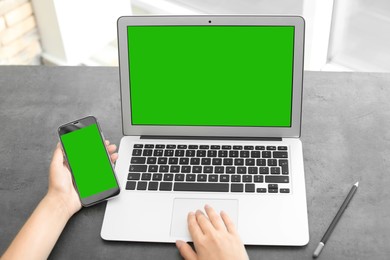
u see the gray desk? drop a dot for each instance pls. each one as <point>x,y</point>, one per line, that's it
<point>345,135</point>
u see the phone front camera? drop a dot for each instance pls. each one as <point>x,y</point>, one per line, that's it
<point>209,21</point>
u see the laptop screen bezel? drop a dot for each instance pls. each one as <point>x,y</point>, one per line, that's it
<point>226,131</point>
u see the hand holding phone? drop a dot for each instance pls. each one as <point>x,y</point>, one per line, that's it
<point>88,160</point>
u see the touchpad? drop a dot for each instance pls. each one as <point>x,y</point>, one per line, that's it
<point>181,208</point>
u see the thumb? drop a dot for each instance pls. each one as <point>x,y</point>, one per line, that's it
<point>186,250</point>
<point>58,157</point>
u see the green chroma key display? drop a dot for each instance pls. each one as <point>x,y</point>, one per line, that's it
<point>88,160</point>
<point>211,75</point>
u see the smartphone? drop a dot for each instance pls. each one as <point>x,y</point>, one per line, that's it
<point>88,160</point>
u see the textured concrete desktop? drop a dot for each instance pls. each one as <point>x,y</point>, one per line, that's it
<point>345,135</point>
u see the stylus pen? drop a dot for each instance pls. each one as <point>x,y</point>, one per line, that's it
<point>335,220</point>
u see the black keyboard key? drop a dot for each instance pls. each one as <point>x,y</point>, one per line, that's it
<point>190,177</point>
<point>226,147</point>
<point>273,190</point>
<point>236,178</point>
<point>255,154</point>
<point>276,179</point>
<point>241,170</point>
<point>217,161</point>
<point>182,146</point>
<point>249,162</point>
<point>158,153</point>
<point>146,176</point>
<point>261,162</point>
<point>138,160</point>
<point>271,148</point>
<point>206,161</point>
<point>168,153</point>
<point>184,161</point>
<point>173,160</point>
<point>166,186</point>
<point>222,153</point>
<point>141,185</point>
<point>258,178</point>
<point>190,153</point>
<point>157,177</point>
<point>162,160</point>
<point>179,177</point>
<point>215,147</point>
<point>204,147</point>
<point>237,187</point>
<point>248,147</point>
<point>208,169</point>
<point>196,169</point>
<point>138,146</point>
<point>284,169</point>
<point>211,153</point>
<point>219,169</point>
<point>273,186</point>
<point>175,168</point>
<point>275,170</point>
<point>244,154</point>
<point>207,187</point>
<point>137,152</point>
<point>230,169</point>
<point>233,153</point>
<point>195,161</point>
<point>280,155</point>
<point>202,177</point>
<point>179,153</point>
<point>149,145</point>
<point>153,185</point>
<point>261,190</point>
<point>153,168</point>
<point>237,147</point>
<point>171,146</point>
<point>249,187</point>
<point>259,147</point>
<point>283,162</point>
<point>164,168</point>
<point>272,162</point>
<point>284,190</point>
<point>247,178</point>
<point>160,146</point>
<point>252,170</point>
<point>238,161</point>
<point>137,168</point>
<point>213,178</point>
<point>133,176</point>
<point>168,177</point>
<point>264,170</point>
<point>130,185</point>
<point>147,152</point>
<point>224,178</point>
<point>282,148</point>
<point>266,154</point>
<point>186,169</point>
<point>192,147</point>
<point>227,161</point>
<point>201,153</point>
<point>151,160</point>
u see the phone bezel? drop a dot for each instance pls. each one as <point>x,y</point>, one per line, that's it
<point>74,126</point>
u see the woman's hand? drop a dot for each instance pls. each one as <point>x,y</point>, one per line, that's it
<point>214,236</point>
<point>60,180</point>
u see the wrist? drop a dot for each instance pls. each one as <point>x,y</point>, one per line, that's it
<point>58,204</point>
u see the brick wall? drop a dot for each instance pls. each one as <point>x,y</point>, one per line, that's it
<point>19,38</point>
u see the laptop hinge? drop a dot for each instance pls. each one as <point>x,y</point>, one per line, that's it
<point>232,138</point>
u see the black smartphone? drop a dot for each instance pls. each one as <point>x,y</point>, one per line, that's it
<point>88,160</point>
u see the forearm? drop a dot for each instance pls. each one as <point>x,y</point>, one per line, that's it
<point>39,234</point>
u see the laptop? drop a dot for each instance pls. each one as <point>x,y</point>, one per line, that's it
<point>211,114</point>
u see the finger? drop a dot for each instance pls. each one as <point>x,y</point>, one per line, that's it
<point>204,222</point>
<point>228,223</point>
<point>111,148</point>
<point>215,219</point>
<point>186,250</point>
<point>107,142</point>
<point>58,156</point>
<point>114,157</point>
<point>193,227</point>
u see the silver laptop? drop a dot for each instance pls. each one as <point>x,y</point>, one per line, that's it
<point>211,114</point>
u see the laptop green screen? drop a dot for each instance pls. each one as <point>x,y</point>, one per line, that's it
<point>211,75</point>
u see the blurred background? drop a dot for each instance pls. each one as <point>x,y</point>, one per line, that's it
<point>341,35</point>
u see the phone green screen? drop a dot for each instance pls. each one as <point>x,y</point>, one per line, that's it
<point>88,161</point>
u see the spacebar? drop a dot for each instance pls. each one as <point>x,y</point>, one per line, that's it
<point>213,187</point>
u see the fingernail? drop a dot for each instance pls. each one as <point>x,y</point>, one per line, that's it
<point>191,213</point>
<point>206,206</point>
<point>179,243</point>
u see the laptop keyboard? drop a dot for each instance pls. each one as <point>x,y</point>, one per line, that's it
<point>209,168</point>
